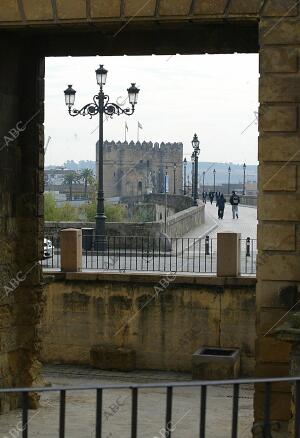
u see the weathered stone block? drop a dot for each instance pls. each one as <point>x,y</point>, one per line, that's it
<point>279,88</point>
<point>9,10</point>
<point>139,8</point>
<point>108,357</point>
<point>279,8</point>
<point>209,363</point>
<point>228,243</point>
<point>244,7</point>
<point>279,60</point>
<point>278,177</point>
<point>278,147</point>
<point>279,207</point>
<point>174,7</point>
<point>280,267</point>
<point>280,408</point>
<point>38,10</point>
<point>71,250</point>
<point>105,8</point>
<point>272,351</point>
<point>274,31</point>
<point>278,118</point>
<point>70,9</point>
<point>209,7</point>
<point>276,237</point>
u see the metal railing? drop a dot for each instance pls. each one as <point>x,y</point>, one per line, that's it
<point>51,256</point>
<point>248,256</point>
<point>169,427</point>
<point>156,254</point>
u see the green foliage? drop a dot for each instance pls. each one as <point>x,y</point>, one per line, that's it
<point>50,209</point>
<point>89,211</point>
<point>67,213</point>
<point>113,213</point>
<point>53,213</point>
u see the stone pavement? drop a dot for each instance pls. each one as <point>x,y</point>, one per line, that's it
<point>80,407</point>
<point>246,224</point>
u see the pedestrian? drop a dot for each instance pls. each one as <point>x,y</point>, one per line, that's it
<point>211,197</point>
<point>204,197</point>
<point>221,206</point>
<point>234,201</point>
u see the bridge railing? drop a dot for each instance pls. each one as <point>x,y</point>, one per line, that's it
<point>226,255</point>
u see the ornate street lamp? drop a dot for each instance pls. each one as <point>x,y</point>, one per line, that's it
<point>193,173</point>
<point>184,176</point>
<point>214,172</point>
<point>101,106</point>
<point>244,183</point>
<point>174,171</point>
<point>196,144</point>
<point>229,173</point>
<point>166,197</point>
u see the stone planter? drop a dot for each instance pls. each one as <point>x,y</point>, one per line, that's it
<point>212,363</point>
<point>107,357</point>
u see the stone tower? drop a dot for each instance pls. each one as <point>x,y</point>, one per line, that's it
<point>132,169</point>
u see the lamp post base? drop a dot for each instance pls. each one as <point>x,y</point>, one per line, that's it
<point>100,237</point>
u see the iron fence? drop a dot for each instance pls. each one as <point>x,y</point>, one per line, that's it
<point>51,252</point>
<point>270,395</point>
<point>153,254</point>
<point>248,256</point>
<point>156,254</point>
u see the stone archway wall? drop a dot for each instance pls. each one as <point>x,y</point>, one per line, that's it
<point>32,29</point>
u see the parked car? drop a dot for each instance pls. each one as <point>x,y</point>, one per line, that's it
<point>48,249</point>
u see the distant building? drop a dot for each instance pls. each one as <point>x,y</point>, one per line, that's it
<point>132,169</point>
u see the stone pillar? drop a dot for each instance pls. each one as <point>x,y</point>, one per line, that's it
<point>71,250</point>
<point>21,212</point>
<point>278,207</point>
<point>228,254</point>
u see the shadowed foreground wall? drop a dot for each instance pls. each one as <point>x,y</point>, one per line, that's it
<point>86,309</point>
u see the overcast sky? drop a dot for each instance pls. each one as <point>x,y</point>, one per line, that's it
<point>215,96</point>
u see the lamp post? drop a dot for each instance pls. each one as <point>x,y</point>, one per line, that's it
<point>203,181</point>
<point>214,172</point>
<point>196,144</point>
<point>193,173</point>
<point>184,176</point>
<point>166,198</point>
<point>174,176</point>
<point>244,183</point>
<point>101,106</point>
<point>229,173</point>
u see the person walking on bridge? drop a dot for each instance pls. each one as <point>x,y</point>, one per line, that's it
<point>234,201</point>
<point>221,206</point>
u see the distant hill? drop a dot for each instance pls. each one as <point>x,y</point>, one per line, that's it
<point>237,173</point>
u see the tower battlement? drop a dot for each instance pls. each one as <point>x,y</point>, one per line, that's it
<point>143,146</point>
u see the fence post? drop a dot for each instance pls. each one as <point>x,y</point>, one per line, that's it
<point>228,254</point>
<point>71,250</point>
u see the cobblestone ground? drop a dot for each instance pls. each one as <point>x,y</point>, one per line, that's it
<point>80,410</point>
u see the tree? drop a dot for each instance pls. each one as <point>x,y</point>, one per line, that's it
<point>70,179</point>
<point>87,175</point>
